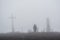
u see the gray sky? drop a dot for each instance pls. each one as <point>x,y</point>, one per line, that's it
<point>29,12</point>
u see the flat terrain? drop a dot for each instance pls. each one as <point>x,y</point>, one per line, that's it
<point>31,36</point>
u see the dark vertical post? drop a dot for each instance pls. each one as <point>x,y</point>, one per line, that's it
<point>48,26</point>
<point>12,22</point>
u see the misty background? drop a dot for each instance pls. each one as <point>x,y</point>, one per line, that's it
<point>29,12</point>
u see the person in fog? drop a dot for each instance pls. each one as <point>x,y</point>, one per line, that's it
<point>35,28</point>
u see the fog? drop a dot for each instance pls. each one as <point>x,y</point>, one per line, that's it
<point>29,12</point>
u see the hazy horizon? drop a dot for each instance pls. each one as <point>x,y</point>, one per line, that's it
<point>28,13</point>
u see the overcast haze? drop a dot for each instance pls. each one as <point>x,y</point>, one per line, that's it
<point>28,13</point>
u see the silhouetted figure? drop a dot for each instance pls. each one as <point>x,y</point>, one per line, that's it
<point>35,28</point>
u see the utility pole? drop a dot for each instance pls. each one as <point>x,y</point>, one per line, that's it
<point>48,26</point>
<point>12,22</point>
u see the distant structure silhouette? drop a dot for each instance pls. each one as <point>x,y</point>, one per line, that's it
<point>48,26</point>
<point>29,31</point>
<point>12,21</point>
<point>35,28</point>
